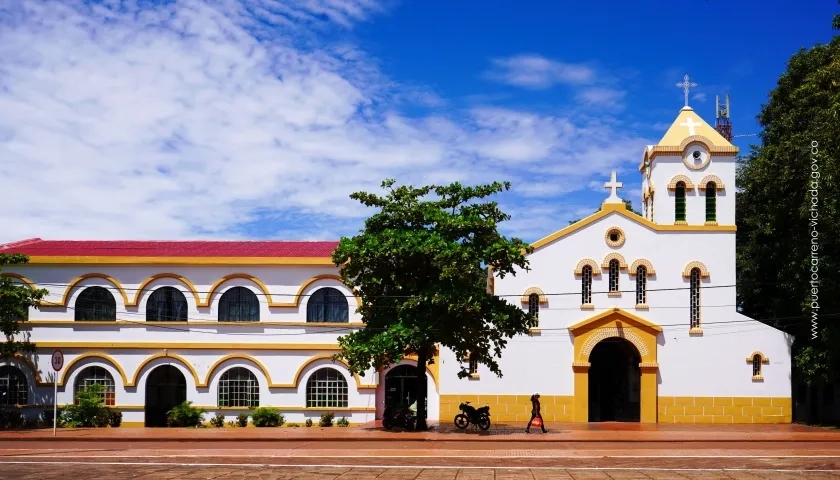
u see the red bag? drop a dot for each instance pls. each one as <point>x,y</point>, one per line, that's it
<point>536,422</point>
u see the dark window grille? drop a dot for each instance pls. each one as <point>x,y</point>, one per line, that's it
<point>166,304</point>
<point>534,304</point>
<point>326,388</point>
<point>96,304</point>
<point>586,285</point>
<point>239,304</point>
<point>711,202</point>
<point>756,365</point>
<point>239,387</point>
<point>473,365</point>
<point>613,275</point>
<point>97,375</point>
<point>641,285</point>
<point>14,390</point>
<point>679,202</point>
<point>327,305</point>
<point>694,310</point>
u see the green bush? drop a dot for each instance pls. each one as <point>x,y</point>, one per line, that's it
<point>267,417</point>
<point>89,409</point>
<point>326,419</point>
<point>10,419</point>
<point>343,422</point>
<point>185,415</point>
<point>293,425</point>
<point>116,419</point>
<point>231,423</point>
<point>309,422</point>
<point>242,419</point>
<point>218,421</point>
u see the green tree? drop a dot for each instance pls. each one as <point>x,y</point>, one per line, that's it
<point>419,267</point>
<point>15,301</point>
<point>627,203</point>
<point>788,190</point>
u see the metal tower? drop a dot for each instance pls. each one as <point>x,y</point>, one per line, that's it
<point>722,123</point>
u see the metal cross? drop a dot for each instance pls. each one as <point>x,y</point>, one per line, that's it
<point>685,85</point>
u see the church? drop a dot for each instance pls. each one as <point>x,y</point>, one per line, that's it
<point>637,319</point>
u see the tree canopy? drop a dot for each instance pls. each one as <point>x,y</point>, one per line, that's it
<point>420,269</point>
<point>788,213</point>
<point>15,301</point>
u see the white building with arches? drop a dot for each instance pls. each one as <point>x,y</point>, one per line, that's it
<point>637,319</point>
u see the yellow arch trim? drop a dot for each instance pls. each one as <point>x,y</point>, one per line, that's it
<point>248,358</point>
<point>526,297</point>
<point>164,355</point>
<point>35,373</point>
<point>233,276</point>
<point>158,276</point>
<point>69,367</point>
<point>109,278</point>
<point>714,179</point>
<point>316,358</point>
<point>697,139</point>
<point>672,185</point>
<point>704,272</point>
<point>596,270</point>
<point>622,263</point>
<point>23,279</point>
<point>299,295</point>
<point>642,262</point>
<point>760,355</point>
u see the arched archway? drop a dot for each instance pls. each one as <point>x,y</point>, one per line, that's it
<point>401,386</point>
<point>166,387</point>
<point>614,381</point>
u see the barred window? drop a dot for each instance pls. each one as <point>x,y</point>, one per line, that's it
<point>97,375</point>
<point>711,202</point>
<point>326,388</point>
<point>534,304</point>
<point>473,365</point>
<point>679,202</point>
<point>586,284</point>
<point>239,387</point>
<point>327,305</point>
<point>96,304</point>
<point>166,304</point>
<point>613,275</point>
<point>641,285</point>
<point>695,298</point>
<point>756,365</point>
<point>13,387</point>
<point>239,304</point>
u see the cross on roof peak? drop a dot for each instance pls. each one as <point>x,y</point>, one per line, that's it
<point>613,185</point>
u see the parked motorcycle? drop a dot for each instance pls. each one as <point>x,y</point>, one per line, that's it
<point>470,415</point>
<point>400,417</point>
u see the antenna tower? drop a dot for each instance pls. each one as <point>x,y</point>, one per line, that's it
<point>722,123</point>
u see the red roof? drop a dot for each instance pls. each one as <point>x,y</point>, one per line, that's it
<point>35,247</point>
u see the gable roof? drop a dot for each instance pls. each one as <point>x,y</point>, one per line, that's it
<point>633,320</point>
<point>679,136</point>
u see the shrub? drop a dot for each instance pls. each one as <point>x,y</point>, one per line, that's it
<point>343,422</point>
<point>218,421</point>
<point>293,425</point>
<point>116,419</point>
<point>326,419</point>
<point>10,419</point>
<point>267,417</point>
<point>231,423</point>
<point>89,409</point>
<point>185,415</point>
<point>242,419</point>
<point>308,422</point>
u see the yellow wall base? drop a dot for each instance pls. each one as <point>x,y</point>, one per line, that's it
<point>510,409</point>
<point>724,410</point>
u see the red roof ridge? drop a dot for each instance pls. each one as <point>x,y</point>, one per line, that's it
<point>20,242</point>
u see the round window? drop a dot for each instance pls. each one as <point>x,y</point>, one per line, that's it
<point>614,237</point>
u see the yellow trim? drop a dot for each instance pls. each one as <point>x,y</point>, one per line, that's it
<point>672,185</point>
<point>764,360</point>
<point>711,178</point>
<point>165,355</point>
<point>622,263</point>
<point>158,276</point>
<point>638,331</point>
<point>532,290</point>
<point>193,346</point>
<point>69,367</point>
<point>695,331</point>
<point>642,306</point>
<point>641,262</point>
<point>293,304</point>
<point>596,270</point>
<point>238,356</point>
<point>704,272</point>
<point>142,323</point>
<point>23,279</point>
<point>66,296</point>
<point>621,209</point>
<point>294,409</point>
<point>35,373</point>
<point>621,237</point>
<point>105,260</point>
<point>587,306</point>
<point>316,358</point>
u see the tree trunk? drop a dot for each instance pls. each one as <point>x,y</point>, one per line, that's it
<point>422,391</point>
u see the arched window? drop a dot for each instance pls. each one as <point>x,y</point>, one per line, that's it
<point>239,387</point>
<point>756,364</point>
<point>97,375</point>
<point>679,202</point>
<point>166,304</point>
<point>534,304</point>
<point>586,285</point>
<point>96,304</point>
<point>327,305</point>
<point>13,387</point>
<point>239,304</point>
<point>614,275</point>
<point>641,285</point>
<point>695,298</point>
<point>711,202</point>
<point>326,388</point>
<point>473,365</point>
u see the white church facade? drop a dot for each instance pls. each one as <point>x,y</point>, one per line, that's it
<point>637,319</point>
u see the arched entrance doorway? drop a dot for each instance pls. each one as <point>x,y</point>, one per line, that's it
<point>614,382</point>
<point>401,386</point>
<point>166,387</point>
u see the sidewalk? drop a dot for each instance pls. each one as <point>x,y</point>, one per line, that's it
<point>568,432</point>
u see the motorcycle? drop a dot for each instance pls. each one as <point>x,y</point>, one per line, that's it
<point>398,417</point>
<point>479,417</point>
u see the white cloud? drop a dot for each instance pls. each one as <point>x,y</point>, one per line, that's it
<point>700,97</point>
<point>196,120</point>
<point>538,72</point>
<point>602,97</point>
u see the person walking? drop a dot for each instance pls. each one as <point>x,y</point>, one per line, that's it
<point>535,412</point>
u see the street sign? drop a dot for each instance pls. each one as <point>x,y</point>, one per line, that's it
<point>57,360</point>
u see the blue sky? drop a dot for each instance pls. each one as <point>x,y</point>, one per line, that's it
<point>256,119</point>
